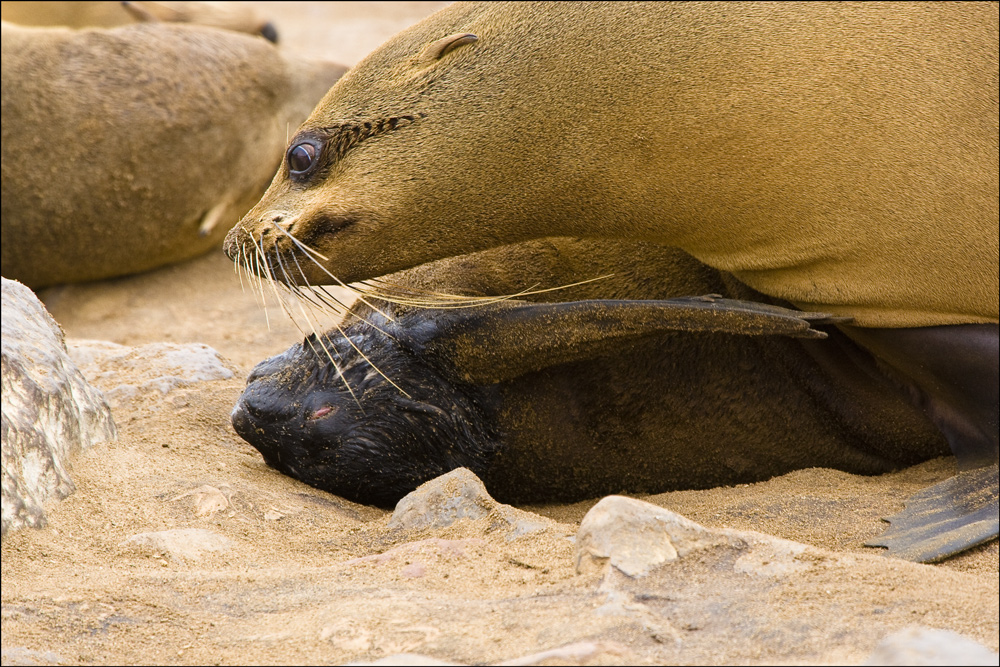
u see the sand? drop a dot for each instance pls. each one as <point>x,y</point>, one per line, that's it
<point>302,576</point>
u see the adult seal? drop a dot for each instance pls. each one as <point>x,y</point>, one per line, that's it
<point>226,15</point>
<point>841,158</point>
<point>129,148</point>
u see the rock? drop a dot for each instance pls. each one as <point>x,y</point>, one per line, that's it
<point>50,412</point>
<point>18,655</point>
<point>124,372</point>
<point>407,660</point>
<point>208,500</point>
<point>928,646</point>
<point>457,495</point>
<point>637,537</point>
<point>576,653</point>
<point>178,544</point>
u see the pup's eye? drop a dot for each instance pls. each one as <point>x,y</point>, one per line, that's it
<point>301,158</point>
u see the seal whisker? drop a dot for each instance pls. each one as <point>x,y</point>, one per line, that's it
<point>340,373</point>
<point>254,278</point>
<point>315,292</point>
<point>324,306</point>
<point>238,270</point>
<point>339,307</point>
<point>302,299</point>
<point>245,268</point>
<point>302,247</point>
<point>470,301</point>
<point>263,269</point>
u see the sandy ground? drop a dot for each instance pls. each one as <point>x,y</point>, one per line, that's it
<point>307,577</point>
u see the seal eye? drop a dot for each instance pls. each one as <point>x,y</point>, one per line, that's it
<point>301,158</point>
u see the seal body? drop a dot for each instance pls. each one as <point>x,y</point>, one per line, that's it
<point>841,158</point>
<point>670,410</point>
<point>823,154</point>
<point>226,15</point>
<point>129,148</point>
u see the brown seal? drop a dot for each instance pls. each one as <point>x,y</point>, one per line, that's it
<point>842,158</point>
<point>133,147</point>
<point>823,155</point>
<point>236,16</point>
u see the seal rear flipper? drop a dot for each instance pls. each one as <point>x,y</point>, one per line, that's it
<point>945,519</point>
<point>507,339</point>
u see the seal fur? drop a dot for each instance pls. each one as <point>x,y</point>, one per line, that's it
<point>236,16</point>
<point>826,155</point>
<point>842,158</point>
<point>129,148</point>
<point>664,411</point>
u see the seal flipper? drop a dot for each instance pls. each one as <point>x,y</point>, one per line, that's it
<point>953,374</point>
<point>945,519</point>
<point>506,339</point>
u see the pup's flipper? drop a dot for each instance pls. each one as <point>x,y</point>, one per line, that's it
<point>507,339</point>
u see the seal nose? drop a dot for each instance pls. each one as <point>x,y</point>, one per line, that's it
<point>269,32</point>
<point>231,245</point>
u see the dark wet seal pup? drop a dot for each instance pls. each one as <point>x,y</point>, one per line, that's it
<point>546,405</point>
<point>842,159</point>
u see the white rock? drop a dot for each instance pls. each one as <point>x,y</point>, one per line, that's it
<point>928,646</point>
<point>458,495</point>
<point>50,412</point>
<point>179,543</point>
<point>124,372</point>
<point>637,537</point>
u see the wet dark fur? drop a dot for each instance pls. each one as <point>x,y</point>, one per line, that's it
<point>678,410</point>
<point>376,445</point>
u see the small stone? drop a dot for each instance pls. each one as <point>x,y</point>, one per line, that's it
<point>457,495</point>
<point>928,646</point>
<point>179,543</point>
<point>125,372</point>
<point>407,660</point>
<point>637,537</point>
<point>441,502</point>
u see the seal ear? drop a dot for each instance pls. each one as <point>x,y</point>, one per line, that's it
<point>442,47</point>
<point>489,344</point>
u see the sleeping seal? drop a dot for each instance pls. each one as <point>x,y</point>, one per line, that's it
<point>226,15</point>
<point>129,148</point>
<point>841,158</point>
<point>541,417</point>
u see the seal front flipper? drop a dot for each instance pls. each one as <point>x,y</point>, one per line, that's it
<point>945,519</point>
<point>953,374</point>
<point>507,339</point>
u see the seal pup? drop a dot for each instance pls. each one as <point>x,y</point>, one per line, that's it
<point>236,16</point>
<point>577,409</point>
<point>129,148</point>
<point>839,158</point>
